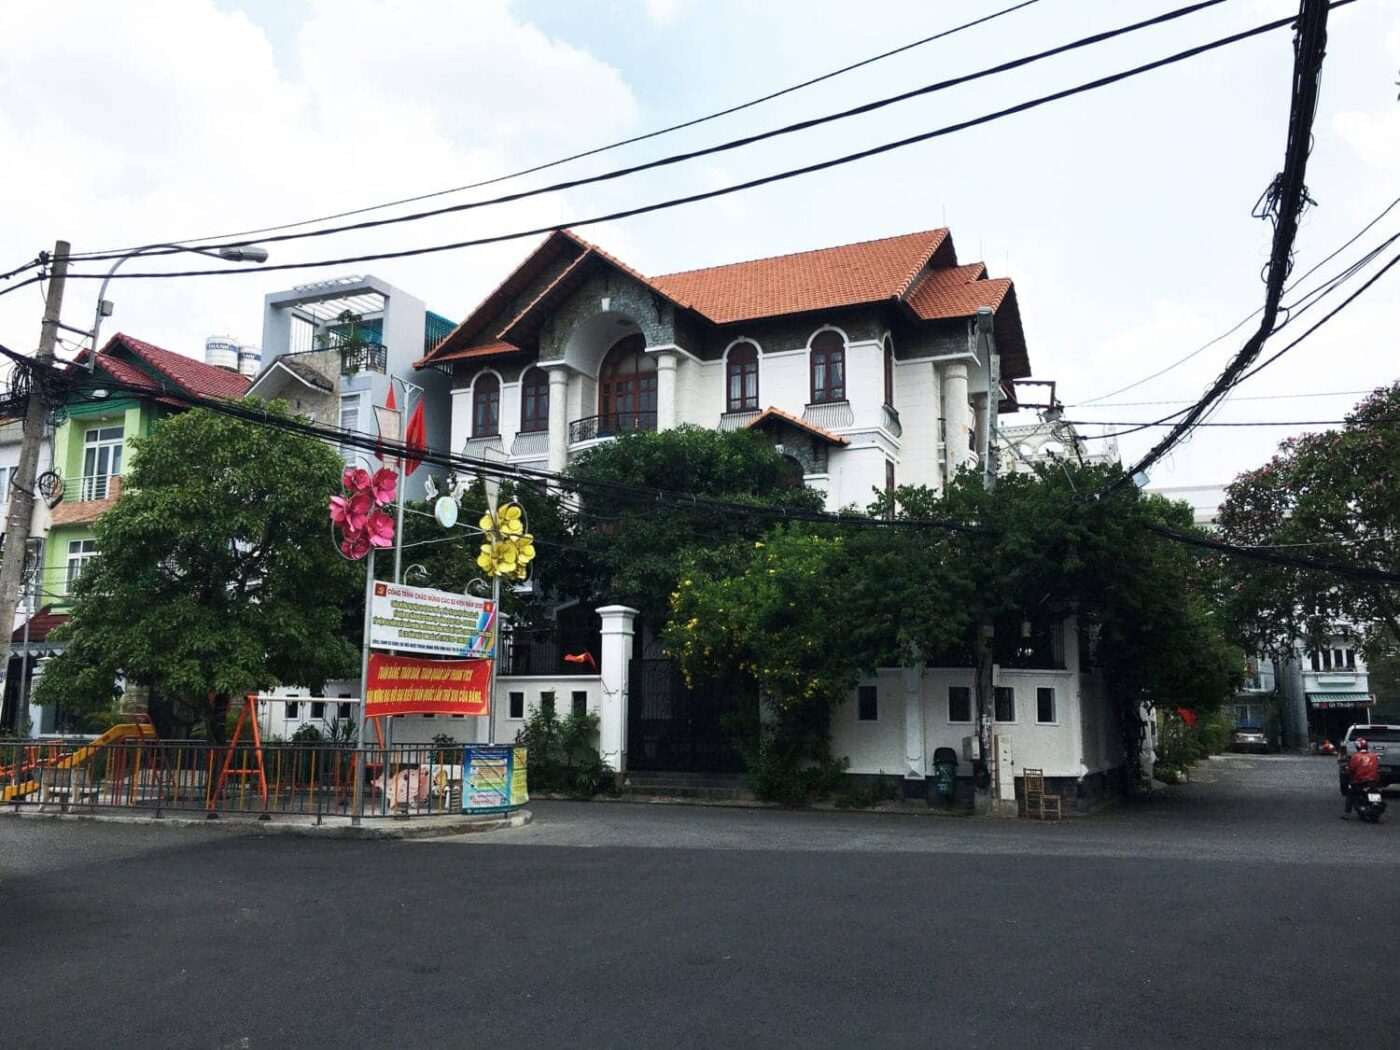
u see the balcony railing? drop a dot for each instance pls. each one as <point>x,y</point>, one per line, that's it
<point>363,357</point>
<point>610,425</point>
<point>542,652</point>
<point>99,486</point>
<point>891,420</point>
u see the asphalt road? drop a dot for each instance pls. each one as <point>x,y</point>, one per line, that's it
<point>1218,915</point>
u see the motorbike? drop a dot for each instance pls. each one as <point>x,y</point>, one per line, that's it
<point>1368,803</point>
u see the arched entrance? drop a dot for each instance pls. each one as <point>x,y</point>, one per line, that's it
<point>627,388</point>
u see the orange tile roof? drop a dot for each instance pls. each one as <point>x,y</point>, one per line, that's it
<point>189,375</point>
<point>826,278</point>
<point>496,349</point>
<point>787,417</point>
<point>957,291</point>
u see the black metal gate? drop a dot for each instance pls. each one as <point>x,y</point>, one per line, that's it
<point>674,728</point>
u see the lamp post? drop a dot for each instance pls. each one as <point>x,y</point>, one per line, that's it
<point>247,253</point>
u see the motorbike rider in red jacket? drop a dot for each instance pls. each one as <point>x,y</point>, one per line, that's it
<point>1363,771</point>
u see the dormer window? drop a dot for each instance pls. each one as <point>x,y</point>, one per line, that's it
<point>741,378</point>
<point>828,359</point>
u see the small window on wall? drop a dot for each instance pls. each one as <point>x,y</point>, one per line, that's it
<point>293,709</point>
<point>486,406</point>
<point>547,702</point>
<point>889,372</point>
<point>342,712</point>
<point>959,703</point>
<point>1004,703</point>
<point>828,367</point>
<point>741,378</point>
<point>1045,705</point>
<point>1351,659</point>
<point>867,703</point>
<point>534,401</point>
<point>318,709</point>
<point>578,703</point>
<point>515,705</point>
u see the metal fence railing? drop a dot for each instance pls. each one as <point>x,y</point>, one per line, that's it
<point>155,777</point>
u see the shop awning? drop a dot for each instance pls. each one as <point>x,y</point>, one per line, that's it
<point>1328,700</point>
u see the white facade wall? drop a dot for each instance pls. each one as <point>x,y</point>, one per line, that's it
<point>1059,748</point>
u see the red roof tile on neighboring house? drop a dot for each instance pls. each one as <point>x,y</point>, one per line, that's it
<point>824,279</point>
<point>42,622</point>
<point>787,417</point>
<point>195,377</point>
<point>497,349</point>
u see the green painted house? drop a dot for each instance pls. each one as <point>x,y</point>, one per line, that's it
<point>93,450</point>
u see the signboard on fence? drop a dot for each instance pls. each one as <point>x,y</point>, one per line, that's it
<point>404,685</point>
<point>425,620</point>
<point>493,778</point>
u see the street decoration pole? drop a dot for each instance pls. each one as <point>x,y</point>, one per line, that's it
<point>357,801</point>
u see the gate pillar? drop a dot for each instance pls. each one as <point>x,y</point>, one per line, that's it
<point>616,659</point>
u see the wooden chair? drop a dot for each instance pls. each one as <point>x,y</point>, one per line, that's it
<point>1039,805</point>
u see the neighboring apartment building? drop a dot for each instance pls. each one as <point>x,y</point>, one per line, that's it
<point>330,348</point>
<point>92,453</point>
<point>1306,696</point>
<point>862,365</point>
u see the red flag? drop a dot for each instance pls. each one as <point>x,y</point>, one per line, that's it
<point>390,405</point>
<point>416,436</point>
<point>1188,716</point>
<point>584,657</point>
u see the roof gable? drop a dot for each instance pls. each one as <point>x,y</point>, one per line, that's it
<point>134,362</point>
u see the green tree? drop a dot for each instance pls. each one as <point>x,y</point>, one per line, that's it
<point>635,549</point>
<point>216,576</point>
<point>1332,496</point>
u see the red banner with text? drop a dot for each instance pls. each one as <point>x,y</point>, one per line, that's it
<point>403,685</point>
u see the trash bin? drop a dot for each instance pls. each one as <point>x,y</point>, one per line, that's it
<point>945,774</point>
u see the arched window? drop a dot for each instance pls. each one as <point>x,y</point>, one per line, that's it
<point>534,401</point>
<point>741,378</point>
<point>889,372</point>
<point>828,368</point>
<point>627,388</point>
<point>486,406</point>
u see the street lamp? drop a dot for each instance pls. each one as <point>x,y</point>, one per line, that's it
<point>247,253</point>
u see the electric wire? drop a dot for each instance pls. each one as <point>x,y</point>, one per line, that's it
<point>605,148</point>
<point>780,176</point>
<point>722,147</point>
<point>1244,320</point>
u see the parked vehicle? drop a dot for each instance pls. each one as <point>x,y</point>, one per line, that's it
<point>1384,740</point>
<point>1249,738</point>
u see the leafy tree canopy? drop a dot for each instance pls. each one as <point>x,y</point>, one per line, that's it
<point>1334,496</point>
<point>636,551</point>
<point>216,575</point>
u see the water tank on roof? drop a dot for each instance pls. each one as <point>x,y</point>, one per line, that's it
<point>221,351</point>
<point>249,360</point>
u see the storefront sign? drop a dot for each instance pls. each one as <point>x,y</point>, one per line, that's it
<point>493,778</point>
<point>403,685</point>
<point>424,620</point>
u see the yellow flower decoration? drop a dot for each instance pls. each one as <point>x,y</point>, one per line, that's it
<point>506,549</point>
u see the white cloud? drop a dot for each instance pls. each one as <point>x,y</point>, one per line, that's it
<point>173,118</point>
<point>662,12</point>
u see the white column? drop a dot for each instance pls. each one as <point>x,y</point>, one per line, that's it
<point>558,419</point>
<point>915,762</point>
<point>955,414</point>
<point>612,668</point>
<point>938,455</point>
<point>979,424</point>
<point>665,389</point>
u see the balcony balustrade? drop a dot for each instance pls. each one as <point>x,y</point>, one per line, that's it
<point>611,425</point>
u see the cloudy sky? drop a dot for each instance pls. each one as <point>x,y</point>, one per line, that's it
<point>1122,215</point>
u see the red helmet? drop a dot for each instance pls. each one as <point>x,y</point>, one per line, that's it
<point>1361,744</point>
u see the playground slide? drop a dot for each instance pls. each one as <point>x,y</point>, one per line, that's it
<point>143,730</point>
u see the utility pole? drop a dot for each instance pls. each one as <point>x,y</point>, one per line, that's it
<point>22,491</point>
<point>985,780</point>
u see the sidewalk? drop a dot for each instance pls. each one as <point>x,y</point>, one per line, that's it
<point>304,825</point>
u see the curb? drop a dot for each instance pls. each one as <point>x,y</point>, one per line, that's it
<point>419,828</point>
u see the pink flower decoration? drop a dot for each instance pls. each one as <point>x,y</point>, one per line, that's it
<point>357,511</point>
<point>384,485</point>
<point>380,529</point>
<point>356,479</point>
<point>339,506</point>
<point>355,546</point>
